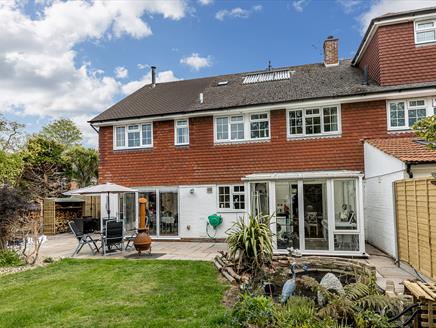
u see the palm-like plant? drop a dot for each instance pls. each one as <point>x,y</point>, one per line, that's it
<point>250,242</point>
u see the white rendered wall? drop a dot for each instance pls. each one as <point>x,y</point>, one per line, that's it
<point>381,170</point>
<point>196,207</point>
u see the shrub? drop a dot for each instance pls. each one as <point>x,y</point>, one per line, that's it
<point>252,311</point>
<point>250,243</point>
<point>9,258</point>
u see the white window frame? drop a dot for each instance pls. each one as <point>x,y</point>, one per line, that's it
<point>254,120</point>
<point>304,115</point>
<point>126,139</point>
<point>428,105</point>
<point>176,126</point>
<point>417,30</point>
<point>232,193</point>
<point>247,127</point>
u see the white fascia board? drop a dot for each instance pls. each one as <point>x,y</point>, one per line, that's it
<point>303,175</point>
<point>289,105</point>
<point>376,25</point>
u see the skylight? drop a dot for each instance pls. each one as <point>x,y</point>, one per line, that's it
<point>267,76</point>
<point>222,83</point>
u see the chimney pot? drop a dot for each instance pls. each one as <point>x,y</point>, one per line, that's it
<point>331,45</point>
<point>153,76</point>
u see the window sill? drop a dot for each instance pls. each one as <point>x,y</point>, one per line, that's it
<point>237,142</point>
<point>182,146</point>
<point>229,211</point>
<point>402,130</point>
<point>426,43</point>
<point>132,148</point>
<point>306,137</point>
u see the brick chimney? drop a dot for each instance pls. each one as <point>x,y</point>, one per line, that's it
<point>331,51</point>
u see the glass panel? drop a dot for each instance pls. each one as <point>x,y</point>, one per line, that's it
<point>296,122</point>
<point>426,36</point>
<point>151,210</point>
<point>121,137</point>
<point>146,134</point>
<point>133,139</point>
<point>315,215</point>
<point>415,115</point>
<point>259,129</point>
<point>287,215</point>
<point>222,128</point>
<point>238,198</point>
<point>182,135</point>
<point>397,114</point>
<point>259,198</point>
<point>425,25</point>
<point>224,197</point>
<point>169,216</point>
<point>349,242</point>
<point>330,119</point>
<point>237,127</point>
<point>345,204</point>
<point>129,218</point>
<point>313,125</point>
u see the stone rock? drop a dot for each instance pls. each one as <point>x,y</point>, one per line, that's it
<point>331,283</point>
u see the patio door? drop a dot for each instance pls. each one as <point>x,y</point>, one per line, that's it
<point>259,199</point>
<point>162,211</point>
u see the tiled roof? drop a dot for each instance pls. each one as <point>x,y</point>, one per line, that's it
<point>406,149</point>
<point>312,81</point>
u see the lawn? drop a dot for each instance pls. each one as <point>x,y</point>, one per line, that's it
<point>114,293</point>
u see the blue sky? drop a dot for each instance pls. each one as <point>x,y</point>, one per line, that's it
<point>74,59</point>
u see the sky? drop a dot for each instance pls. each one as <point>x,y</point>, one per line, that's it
<point>61,59</point>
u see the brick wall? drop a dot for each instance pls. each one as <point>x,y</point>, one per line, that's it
<point>394,59</point>
<point>204,162</point>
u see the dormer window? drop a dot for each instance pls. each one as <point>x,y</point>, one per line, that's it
<point>425,31</point>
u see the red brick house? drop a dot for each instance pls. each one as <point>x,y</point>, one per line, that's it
<point>285,141</point>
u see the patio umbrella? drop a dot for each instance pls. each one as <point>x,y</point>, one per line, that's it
<point>106,188</point>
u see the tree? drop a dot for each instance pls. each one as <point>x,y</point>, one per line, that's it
<point>11,167</point>
<point>13,204</point>
<point>44,173</point>
<point>426,129</point>
<point>11,135</point>
<point>82,165</point>
<point>63,131</point>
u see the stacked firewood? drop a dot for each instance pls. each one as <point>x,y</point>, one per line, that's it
<point>227,268</point>
<point>62,219</point>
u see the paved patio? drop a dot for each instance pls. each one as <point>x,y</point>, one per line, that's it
<point>63,245</point>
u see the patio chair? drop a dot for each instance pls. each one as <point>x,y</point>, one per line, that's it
<point>83,239</point>
<point>113,235</point>
<point>130,239</point>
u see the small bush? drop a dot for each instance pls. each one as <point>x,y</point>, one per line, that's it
<point>252,311</point>
<point>9,258</point>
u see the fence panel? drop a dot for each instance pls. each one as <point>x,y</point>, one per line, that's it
<point>415,203</point>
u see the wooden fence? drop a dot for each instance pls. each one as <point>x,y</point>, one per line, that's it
<point>415,201</point>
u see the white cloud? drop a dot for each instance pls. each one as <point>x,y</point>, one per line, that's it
<point>350,5</point>
<point>196,62</point>
<point>121,72</point>
<point>382,7</point>
<point>237,12</point>
<point>205,2</point>
<point>40,74</point>
<point>299,5</point>
<point>142,66</point>
<point>161,77</point>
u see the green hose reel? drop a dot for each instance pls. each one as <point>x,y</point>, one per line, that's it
<point>214,220</point>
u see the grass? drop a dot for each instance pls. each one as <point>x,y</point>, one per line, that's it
<point>113,293</point>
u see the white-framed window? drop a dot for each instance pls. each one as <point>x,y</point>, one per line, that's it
<point>133,136</point>
<point>259,126</point>
<point>313,121</point>
<point>181,132</point>
<point>402,114</point>
<point>231,197</point>
<point>425,31</point>
<point>242,127</point>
